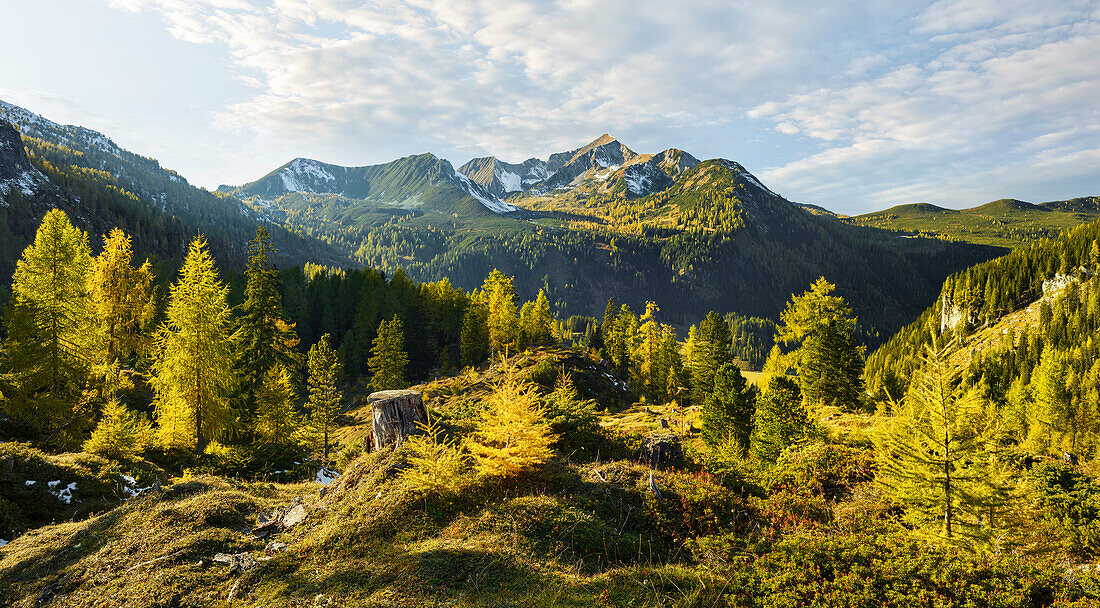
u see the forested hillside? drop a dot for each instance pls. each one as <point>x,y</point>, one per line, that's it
<point>584,459</point>
<point>103,186</point>
<point>705,236</point>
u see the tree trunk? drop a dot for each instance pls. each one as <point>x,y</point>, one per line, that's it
<point>395,415</point>
<point>947,485</point>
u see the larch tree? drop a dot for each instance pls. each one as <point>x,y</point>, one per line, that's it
<point>276,417</point>
<point>388,358</point>
<point>121,297</point>
<point>503,319</point>
<point>536,321</point>
<point>120,433</point>
<point>324,396</point>
<point>930,450</point>
<point>650,375</point>
<point>512,434</point>
<point>819,327</point>
<point>193,369</point>
<point>49,345</point>
<point>1047,414</point>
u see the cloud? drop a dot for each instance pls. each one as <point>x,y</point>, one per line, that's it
<point>861,104</point>
<point>508,76</point>
<point>995,107</point>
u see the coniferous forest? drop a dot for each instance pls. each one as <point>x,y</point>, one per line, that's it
<point>954,464</point>
<point>280,329</point>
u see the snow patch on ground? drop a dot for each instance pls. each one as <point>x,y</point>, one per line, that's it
<point>3,542</point>
<point>129,487</point>
<point>65,494</point>
<point>326,476</point>
<point>30,482</point>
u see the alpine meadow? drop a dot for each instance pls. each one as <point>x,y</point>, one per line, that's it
<point>617,373</point>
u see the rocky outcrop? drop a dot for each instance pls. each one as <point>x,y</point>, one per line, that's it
<point>951,314</point>
<point>17,174</point>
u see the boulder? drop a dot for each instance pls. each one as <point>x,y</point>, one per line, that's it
<point>281,519</point>
<point>237,562</point>
<point>295,516</point>
<point>395,415</point>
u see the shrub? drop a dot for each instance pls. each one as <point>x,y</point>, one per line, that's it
<point>512,435</point>
<point>821,469</point>
<point>120,434</point>
<point>437,465</point>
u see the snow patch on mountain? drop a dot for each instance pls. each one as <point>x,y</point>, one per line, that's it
<point>744,173</point>
<point>535,174</point>
<point>639,179</point>
<point>511,182</point>
<point>490,202</point>
<point>302,175</point>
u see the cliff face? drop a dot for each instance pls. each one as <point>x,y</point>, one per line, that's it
<point>17,175</point>
<point>952,314</point>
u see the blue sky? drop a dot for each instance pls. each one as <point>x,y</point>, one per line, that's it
<point>855,106</point>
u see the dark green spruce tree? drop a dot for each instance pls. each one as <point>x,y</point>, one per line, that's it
<point>264,339</point>
<point>727,412</point>
<point>388,357</point>
<point>711,352</point>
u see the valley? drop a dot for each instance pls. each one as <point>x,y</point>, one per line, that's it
<point>192,384</point>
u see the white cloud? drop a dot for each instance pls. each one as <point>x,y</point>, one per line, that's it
<point>864,104</point>
<point>983,114</point>
<point>510,76</point>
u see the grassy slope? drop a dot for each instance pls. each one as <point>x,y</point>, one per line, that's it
<point>1003,223</point>
<point>558,536</point>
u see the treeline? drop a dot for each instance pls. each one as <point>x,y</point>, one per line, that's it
<point>93,347</point>
<point>981,295</point>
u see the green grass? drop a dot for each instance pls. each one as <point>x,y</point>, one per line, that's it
<point>1004,223</point>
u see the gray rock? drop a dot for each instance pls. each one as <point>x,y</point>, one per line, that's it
<point>296,515</point>
<point>275,547</point>
<point>281,518</point>
<point>237,562</point>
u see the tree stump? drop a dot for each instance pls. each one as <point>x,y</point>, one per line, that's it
<point>395,416</point>
<point>662,450</point>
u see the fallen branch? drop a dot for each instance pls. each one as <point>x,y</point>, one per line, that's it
<point>154,560</point>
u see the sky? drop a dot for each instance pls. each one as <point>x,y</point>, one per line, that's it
<point>854,106</point>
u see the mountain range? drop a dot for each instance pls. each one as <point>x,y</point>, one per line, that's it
<point>585,224</point>
<point>100,185</point>
<point>602,220</point>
